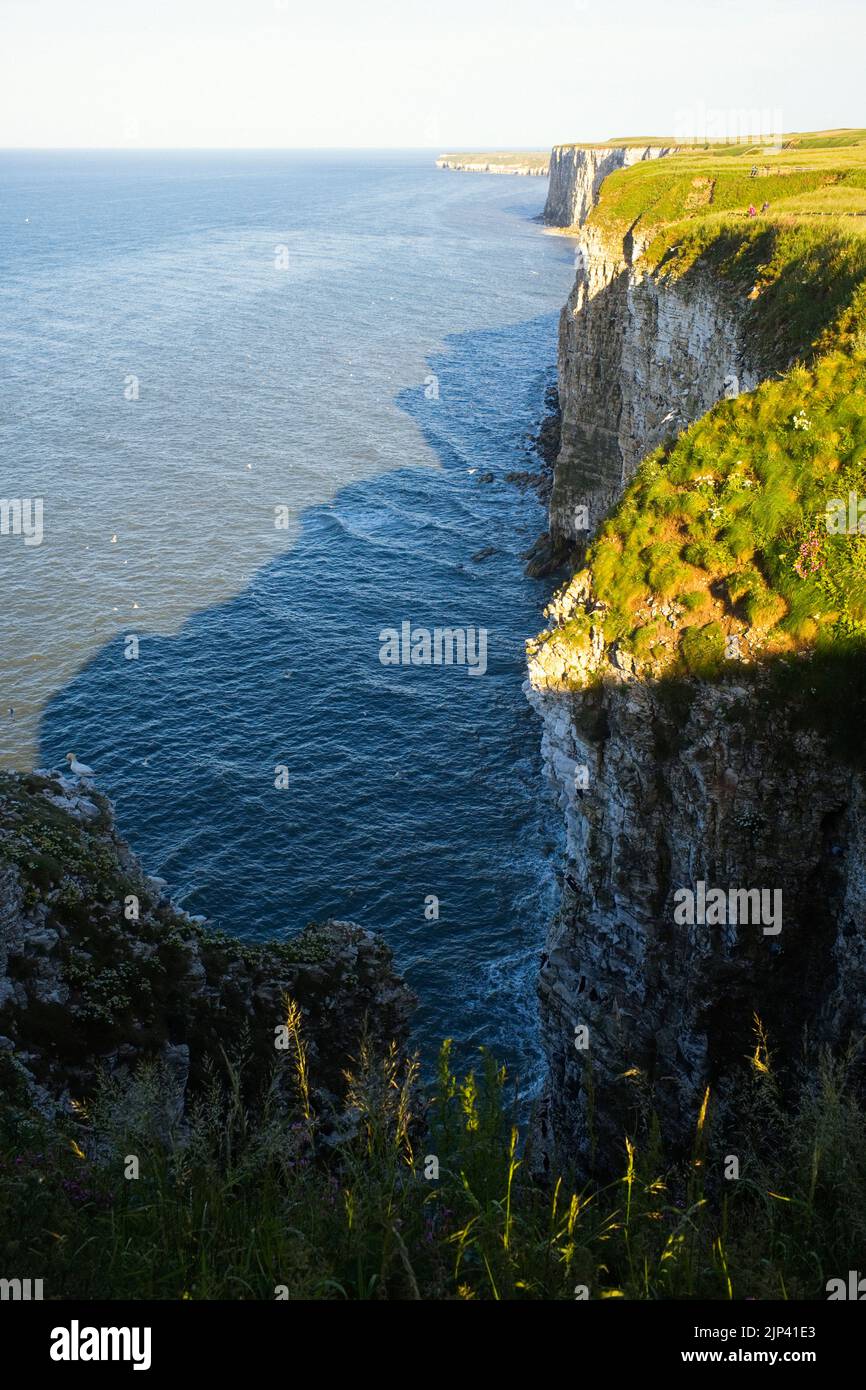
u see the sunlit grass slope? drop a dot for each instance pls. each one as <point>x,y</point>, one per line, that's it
<point>720,547</point>
<point>817,175</point>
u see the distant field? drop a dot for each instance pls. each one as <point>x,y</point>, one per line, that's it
<point>819,174</point>
<point>815,139</point>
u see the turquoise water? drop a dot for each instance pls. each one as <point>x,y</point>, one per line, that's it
<point>190,342</point>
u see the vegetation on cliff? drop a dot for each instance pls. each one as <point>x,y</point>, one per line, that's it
<point>99,969</point>
<point>738,540</point>
<point>803,177</point>
<point>185,1115</point>
<point>425,1195</point>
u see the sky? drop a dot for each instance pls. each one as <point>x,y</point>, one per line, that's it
<point>450,74</point>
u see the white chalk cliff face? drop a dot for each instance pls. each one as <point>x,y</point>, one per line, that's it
<point>665,785</point>
<point>641,355</point>
<point>577,173</point>
<point>492,166</point>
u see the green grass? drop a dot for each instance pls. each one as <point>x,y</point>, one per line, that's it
<point>687,187</point>
<point>726,532</point>
<point>809,175</point>
<point>719,546</point>
<point>839,138</point>
<point>254,1201</point>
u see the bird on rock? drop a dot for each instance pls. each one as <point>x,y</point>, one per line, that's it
<point>78,769</point>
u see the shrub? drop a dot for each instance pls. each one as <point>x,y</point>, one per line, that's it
<point>704,649</point>
<point>425,1193</point>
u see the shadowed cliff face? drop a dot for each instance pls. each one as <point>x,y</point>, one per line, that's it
<point>684,783</point>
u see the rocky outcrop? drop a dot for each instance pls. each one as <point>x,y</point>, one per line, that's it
<point>99,970</point>
<point>577,173</point>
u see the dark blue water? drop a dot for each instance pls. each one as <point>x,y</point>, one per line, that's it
<point>259,648</point>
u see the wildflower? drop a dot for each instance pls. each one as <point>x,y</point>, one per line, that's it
<point>809,559</point>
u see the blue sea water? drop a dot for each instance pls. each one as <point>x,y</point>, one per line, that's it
<point>190,341</point>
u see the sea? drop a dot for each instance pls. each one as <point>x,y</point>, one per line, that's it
<point>259,409</point>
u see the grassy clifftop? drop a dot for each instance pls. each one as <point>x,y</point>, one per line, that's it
<point>739,541</point>
<point>842,138</point>
<point>806,176</point>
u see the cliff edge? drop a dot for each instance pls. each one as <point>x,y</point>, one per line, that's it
<point>702,675</point>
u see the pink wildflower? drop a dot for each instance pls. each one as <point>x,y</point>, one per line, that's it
<point>809,560</point>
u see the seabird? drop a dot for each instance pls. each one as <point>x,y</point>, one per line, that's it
<point>77,768</point>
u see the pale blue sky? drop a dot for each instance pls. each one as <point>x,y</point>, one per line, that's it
<point>397,73</point>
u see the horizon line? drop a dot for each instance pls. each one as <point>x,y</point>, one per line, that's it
<point>270,149</point>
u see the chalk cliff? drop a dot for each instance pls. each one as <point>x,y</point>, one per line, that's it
<point>684,784</point>
<point>664,783</point>
<point>577,173</point>
<point>640,356</point>
<point>533,166</point>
